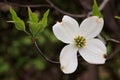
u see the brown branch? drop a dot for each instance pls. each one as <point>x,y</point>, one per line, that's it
<point>55,7</point>
<point>24,5</point>
<point>113,40</point>
<point>117,50</point>
<point>103,4</point>
<point>64,12</point>
<point>42,54</point>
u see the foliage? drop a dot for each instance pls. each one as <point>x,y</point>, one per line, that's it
<point>19,24</point>
<point>95,11</point>
<point>36,26</point>
<point>19,60</point>
<point>117,17</point>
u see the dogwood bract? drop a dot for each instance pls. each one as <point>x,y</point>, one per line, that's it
<point>80,39</point>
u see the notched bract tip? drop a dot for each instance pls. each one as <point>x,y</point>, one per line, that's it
<point>62,68</point>
<point>105,56</point>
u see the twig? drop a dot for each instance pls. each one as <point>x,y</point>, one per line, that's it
<point>22,5</point>
<point>103,4</point>
<point>117,50</point>
<point>113,40</point>
<point>64,12</point>
<point>42,54</point>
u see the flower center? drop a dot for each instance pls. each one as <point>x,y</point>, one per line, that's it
<point>80,41</point>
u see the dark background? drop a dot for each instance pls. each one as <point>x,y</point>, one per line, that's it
<point>20,60</point>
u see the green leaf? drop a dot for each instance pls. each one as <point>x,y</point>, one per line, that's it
<point>37,26</point>
<point>33,21</point>
<point>19,24</point>
<point>32,16</point>
<point>95,10</point>
<point>43,23</point>
<point>117,17</point>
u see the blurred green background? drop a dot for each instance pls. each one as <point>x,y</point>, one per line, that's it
<point>20,60</point>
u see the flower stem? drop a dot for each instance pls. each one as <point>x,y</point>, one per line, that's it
<point>42,54</point>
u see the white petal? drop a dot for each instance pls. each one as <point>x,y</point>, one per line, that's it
<point>68,59</point>
<point>92,26</point>
<point>94,52</point>
<point>66,30</point>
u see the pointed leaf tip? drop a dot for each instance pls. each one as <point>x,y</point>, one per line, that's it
<point>19,24</point>
<point>32,16</point>
<point>43,22</point>
<point>117,17</point>
<point>37,26</point>
<point>95,10</point>
<point>33,21</point>
<point>44,19</point>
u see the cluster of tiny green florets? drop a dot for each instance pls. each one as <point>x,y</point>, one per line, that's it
<point>80,41</point>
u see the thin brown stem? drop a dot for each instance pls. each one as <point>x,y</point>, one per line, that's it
<point>64,12</point>
<point>24,5</point>
<point>103,4</point>
<point>42,54</point>
<point>116,51</point>
<point>51,4</point>
<point>113,40</point>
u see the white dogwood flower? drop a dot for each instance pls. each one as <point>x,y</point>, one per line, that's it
<point>80,39</point>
